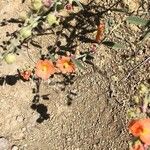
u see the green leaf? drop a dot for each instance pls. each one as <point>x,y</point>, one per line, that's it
<point>52,57</point>
<point>137,21</point>
<point>148,24</point>
<point>113,45</point>
<point>77,63</point>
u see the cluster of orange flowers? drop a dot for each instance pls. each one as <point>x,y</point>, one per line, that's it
<point>45,68</point>
<point>140,129</point>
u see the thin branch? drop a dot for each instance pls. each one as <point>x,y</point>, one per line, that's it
<point>29,54</point>
<point>137,66</point>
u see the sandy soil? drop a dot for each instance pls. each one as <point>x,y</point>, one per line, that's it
<point>90,113</point>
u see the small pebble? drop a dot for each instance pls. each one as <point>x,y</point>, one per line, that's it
<point>140,52</point>
<point>24,129</point>
<point>4,144</point>
<point>19,118</point>
<point>14,147</point>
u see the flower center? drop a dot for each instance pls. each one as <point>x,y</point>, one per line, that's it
<point>65,65</point>
<point>44,68</point>
<point>145,132</point>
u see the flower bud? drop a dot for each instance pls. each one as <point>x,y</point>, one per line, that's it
<point>36,4</point>
<point>69,7</point>
<point>51,19</point>
<point>25,74</point>
<point>10,58</point>
<point>25,32</point>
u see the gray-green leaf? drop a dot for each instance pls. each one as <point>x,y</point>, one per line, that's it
<point>113,45</point>
<point>77,63</point>
<point>137,21</point>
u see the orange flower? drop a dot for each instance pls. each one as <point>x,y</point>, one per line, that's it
<point>26,74</point>
<point>138,146</point>
<point>100,32</point>
<point>44,69</point>
<point>65,65</point>
<point>141,128</point>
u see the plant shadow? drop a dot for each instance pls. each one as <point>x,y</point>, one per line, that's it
<point>85,23</point>
<point>9,80</point>
<point>36,105</point>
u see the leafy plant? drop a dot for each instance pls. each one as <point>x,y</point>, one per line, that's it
<point>41,11</point>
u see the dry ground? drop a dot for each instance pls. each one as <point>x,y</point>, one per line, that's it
<point>89,114</point>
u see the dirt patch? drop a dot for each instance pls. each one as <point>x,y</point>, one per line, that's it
<point>90,112</point>
<point>90,122</point>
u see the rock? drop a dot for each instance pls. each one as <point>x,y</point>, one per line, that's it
<point>24,129</point>
<point>14,147</point>
<point>19,119</point>
<point>4,144</point>
<point>18,135</point>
